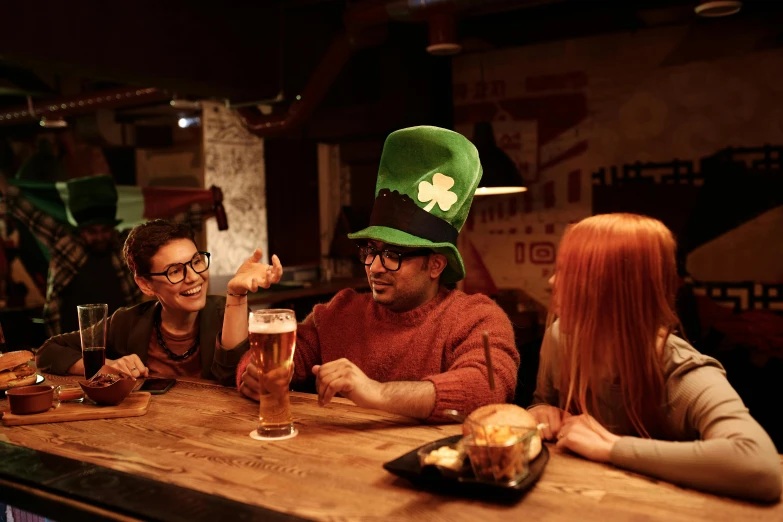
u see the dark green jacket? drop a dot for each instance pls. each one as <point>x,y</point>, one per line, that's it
<point>129,332</point>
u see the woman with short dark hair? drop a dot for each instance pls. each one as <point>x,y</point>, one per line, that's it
<point>179,333</point>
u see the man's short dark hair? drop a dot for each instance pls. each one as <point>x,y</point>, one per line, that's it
<point>146,239</point>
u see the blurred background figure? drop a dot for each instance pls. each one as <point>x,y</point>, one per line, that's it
<point>86,263</point>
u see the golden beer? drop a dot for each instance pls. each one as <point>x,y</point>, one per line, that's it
<point>272,336</point>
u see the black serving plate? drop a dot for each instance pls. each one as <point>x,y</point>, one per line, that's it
<point>465,483</point>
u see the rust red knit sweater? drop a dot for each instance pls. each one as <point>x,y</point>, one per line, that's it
<point>439,341</point>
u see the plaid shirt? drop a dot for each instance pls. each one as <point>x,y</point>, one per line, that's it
<point>68,256</point>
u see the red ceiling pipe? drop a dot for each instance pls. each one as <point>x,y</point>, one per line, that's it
<point>220,210</point>
<point>81,104</point>
<point>357,20</point>
<point>370,14</point>
<point>324,75</point>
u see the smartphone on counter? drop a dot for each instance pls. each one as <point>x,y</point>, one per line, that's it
<point>156,385</point>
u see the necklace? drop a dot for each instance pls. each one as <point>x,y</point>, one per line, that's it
<point>162,342</point>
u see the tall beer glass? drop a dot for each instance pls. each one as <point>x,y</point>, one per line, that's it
<point>272,335</point>
<point>92,329</point>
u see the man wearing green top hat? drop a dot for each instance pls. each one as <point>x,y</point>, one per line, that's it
<point>413,346</point>
<point>86,254</point>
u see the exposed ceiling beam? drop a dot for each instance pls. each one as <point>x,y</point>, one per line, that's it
<point>219,50</point>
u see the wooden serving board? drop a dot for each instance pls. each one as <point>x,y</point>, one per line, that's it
<point>135,405</point>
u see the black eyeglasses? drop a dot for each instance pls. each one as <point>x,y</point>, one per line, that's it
<point>177,272</point>
<point>391,260</point>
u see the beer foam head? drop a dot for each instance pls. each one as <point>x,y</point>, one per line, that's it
<point>278,327</point>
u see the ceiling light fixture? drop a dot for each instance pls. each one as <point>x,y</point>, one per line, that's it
<point>180,103</point>
<point>501,175</point>
<point>718,8</point>
<point>184,123</point>
<point>443,35</point>
<point>53,124</point>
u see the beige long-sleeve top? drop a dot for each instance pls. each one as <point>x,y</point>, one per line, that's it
<point>716,445</point>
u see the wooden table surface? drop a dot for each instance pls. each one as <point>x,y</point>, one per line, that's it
<point>197,436</point>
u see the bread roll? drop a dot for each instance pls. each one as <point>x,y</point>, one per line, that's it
<point>16,370</point>
<point>506,415</point>
<point>12,359</point>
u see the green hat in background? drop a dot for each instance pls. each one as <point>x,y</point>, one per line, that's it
<point>426,181</point>
<point>92,200</point>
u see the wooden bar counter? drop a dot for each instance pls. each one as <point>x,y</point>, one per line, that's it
<point>197,437</point>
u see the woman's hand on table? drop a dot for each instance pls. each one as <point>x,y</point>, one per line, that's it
<point>130,364</point>
<point>250,387</point>
<point>551,416</point>
<point>585,436</point>
<point>344,377</point>
<point>274,381</point>
<point>253,274</point>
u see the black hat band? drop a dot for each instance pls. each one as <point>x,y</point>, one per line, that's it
<point>92,214</point>
<point>398,211</point>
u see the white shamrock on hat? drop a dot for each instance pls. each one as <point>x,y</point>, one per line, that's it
<point>437,192</point>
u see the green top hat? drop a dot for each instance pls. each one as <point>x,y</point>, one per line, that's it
<point>92,200</point>
<point>426,181</point>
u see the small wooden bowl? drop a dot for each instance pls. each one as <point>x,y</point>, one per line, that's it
<point>112,394</point>
<point>27,400</point>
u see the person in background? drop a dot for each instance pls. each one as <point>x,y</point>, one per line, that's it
<point>412,346</point>
<point>617,385</point>
<point>179,333</point>
<point>86,264</point>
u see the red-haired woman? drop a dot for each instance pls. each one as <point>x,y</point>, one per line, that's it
<point>617,385</point>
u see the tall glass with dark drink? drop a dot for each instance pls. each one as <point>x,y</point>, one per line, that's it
<point>272,336</point>
<point>94,359</point>
<point>92,329</point>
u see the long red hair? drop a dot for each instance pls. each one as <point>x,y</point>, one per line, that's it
<point>614,291</point>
